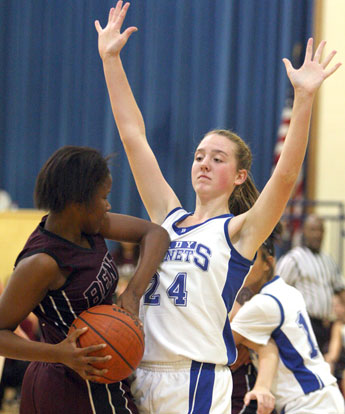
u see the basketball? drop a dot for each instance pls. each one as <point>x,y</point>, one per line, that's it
<point>121,331</point>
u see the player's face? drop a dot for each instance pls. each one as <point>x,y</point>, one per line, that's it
<point>214,170</point>
<point>97,208</point>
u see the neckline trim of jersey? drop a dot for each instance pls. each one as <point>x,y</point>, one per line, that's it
<point>186,229</point>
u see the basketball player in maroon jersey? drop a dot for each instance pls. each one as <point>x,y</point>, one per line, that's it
<point>65,268</point>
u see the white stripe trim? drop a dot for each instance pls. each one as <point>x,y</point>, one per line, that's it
<point>109,399</point>
<point>90,397</point>
<point>248,389</point>
<point>42,308</point>
<point>124,396</point>
<point>69,304</point>
<point>57,311</point>
<point>196,387</point>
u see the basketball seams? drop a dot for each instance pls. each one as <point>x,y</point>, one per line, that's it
<point>120,320</point>
<point>106,341</point>
<point>103,323</point>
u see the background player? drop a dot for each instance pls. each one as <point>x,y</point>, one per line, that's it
<point>316,275</point>
<point>303,381</point>
<point>244,373</point>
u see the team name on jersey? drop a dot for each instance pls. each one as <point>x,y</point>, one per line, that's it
<point>189,251</point>
<point>105,279</point>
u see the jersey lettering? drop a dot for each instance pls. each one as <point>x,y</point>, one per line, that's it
<point>301,322</point>
<point>176,291</point>
<point>189,251</point>
<point>105,279</point>
<point>150,297</point>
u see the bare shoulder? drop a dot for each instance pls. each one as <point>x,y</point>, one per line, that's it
<point>32,278</point>
<point>40,269</point>
<point>40,260</point>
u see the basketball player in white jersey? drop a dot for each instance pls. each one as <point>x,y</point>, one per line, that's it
<point>303,382</point>
<point>185,310</point>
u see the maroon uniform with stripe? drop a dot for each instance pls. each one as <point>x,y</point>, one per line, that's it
<point>54,388</point>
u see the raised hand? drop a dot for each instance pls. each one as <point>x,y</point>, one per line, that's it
<point>313,72</point>
<point>110,40</point>
<point>79,359</point>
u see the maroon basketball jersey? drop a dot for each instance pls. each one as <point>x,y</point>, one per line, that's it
<point>91,281</point>
<point>92,278</point>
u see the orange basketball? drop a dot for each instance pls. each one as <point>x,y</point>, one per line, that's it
<point>120,331</point>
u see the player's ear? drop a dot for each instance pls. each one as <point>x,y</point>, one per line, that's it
<point>269,263</point>
<point>241,176</point>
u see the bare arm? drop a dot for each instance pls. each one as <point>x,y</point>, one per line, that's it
<point>249,230</point>
<point>29,283</point>
<point>154,242</point>
<point>335,345</point>
<point>268,363</point>
<point>157,196</point>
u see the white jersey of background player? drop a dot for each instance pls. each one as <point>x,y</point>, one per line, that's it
<point>303,382</point>
<point>222,186</point>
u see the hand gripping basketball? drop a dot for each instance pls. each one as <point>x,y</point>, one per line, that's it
<point>122,333</point>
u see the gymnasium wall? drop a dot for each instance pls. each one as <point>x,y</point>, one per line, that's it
<point>330,160</point>
<point>15,227</point>
<point>329,133</point>
<point>328,173</point>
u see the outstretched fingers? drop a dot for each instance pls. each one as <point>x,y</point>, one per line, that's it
<point>328,58</point>
<point>326,62</point>
<point>116,16</point>
<point>319,50</point>
<point>111,14</point>
<point>330,71</point>
<point>309,51</point>
<point>120,14</point>
<point>116,11</point>
<point>98,26</point>
<point>288,65</point>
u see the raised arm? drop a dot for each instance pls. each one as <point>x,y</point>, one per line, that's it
<point>250,230</point>
<point>155,192</point>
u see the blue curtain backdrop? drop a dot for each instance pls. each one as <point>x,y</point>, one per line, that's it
<point>194,65</point>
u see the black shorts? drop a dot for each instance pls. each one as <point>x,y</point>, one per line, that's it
<point>243,381</point>
<point>56,389</point>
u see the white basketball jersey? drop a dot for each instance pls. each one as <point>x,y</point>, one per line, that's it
<point>280,311</point>
<point>185,308</point>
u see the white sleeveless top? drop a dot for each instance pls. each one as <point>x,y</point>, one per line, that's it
<point>279,311</point>
<point>185,308</point>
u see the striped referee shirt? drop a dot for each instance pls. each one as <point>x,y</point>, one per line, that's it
<point>315,275</point>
